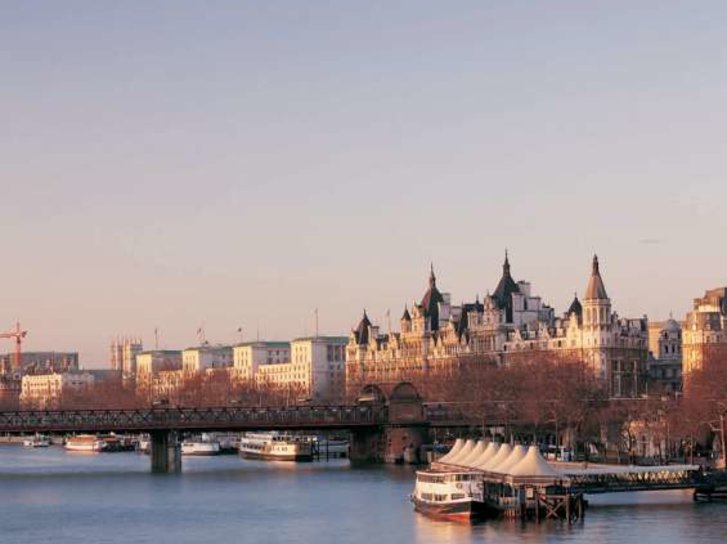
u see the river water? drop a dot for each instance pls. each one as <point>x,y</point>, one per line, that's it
<point>50,495</point>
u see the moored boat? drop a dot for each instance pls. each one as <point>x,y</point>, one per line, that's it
<point>275,446</point>
<point>451,495</point>
<point>37,441</point>
<point>85,442</point>
<point>203,446</point>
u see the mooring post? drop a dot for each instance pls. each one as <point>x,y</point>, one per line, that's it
<point>568,507</point>
<point>166,455</point>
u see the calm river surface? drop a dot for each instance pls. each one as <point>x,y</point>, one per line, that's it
<point>49,495</point>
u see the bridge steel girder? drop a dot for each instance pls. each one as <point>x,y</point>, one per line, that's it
<point>194,419</point>
<point>635,481</point>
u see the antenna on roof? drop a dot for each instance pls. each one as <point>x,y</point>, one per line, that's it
<point>316,313</point>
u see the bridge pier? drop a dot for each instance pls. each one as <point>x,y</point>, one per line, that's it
<point>387,445</point>
<point>404,444</point>
<point>367,446</point>
<point>166,454</point>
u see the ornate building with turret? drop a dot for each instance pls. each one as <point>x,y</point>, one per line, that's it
<point>506,326</point>
<point>705,329</point>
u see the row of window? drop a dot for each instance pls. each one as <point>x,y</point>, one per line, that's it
<point>437,497</point>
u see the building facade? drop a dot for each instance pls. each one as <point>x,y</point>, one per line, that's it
<point>320,363</point>
<point>45,391</point>
<point>312,367</point>
<point>149,364</point>
<point>665,357</point>
<point>506,326</point>
<point>202,358</point>
<point>249,356</point>
<point>705,328</point>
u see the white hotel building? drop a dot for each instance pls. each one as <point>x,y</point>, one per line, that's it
<point>45,391</point>
<point>313,366</point>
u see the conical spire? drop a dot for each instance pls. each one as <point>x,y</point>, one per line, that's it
<point>595,290</point>
<point>361,332</point>
<point>575,306</point>
<point>504,290</point>
<point>430,301</point>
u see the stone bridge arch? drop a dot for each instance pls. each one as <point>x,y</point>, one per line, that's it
<point>405,404</point>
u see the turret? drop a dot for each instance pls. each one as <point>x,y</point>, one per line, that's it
<point>405,321</point>
<point>596,304</point>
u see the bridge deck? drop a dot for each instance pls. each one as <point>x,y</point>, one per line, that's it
<point>193,419</point>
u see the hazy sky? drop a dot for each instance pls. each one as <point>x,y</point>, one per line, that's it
<point>238,164</point>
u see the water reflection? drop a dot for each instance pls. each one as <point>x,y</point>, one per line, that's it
<point>52,495</point>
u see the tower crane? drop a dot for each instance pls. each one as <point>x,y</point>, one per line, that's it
<point>18,334</point>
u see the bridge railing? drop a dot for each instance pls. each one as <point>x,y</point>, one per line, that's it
<point>636,479</point>
<point>209,418</point>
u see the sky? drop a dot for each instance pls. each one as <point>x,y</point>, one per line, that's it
<point>224,165</point>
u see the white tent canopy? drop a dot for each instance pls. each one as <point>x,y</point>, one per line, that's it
<point>458,444</point>
<point>489,453</point>
<point>502,454</point>
<point>534,469</point>
<point>518,452</point>
<point>474,454</point>
<point>464,452</point>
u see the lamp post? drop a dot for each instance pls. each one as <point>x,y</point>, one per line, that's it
<point>723,453</point>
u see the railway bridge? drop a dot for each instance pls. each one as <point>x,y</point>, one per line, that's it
<point>382,428</point>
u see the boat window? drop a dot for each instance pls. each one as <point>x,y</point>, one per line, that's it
<point>456,496</point>
<point>440,498</point>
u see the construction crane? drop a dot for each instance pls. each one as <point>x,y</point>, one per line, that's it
<point>18,334</point>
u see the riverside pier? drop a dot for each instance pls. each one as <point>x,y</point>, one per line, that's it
<point>516,482</point>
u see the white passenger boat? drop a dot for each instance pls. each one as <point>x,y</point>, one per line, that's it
<point>37,441</point>
<point>275,446</point>
<point>85,442</point>
<point>453,495</point>
<point>204,446</point>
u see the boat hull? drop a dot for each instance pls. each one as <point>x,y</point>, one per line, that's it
<point>201,449</point>
<point>92,448</point>
<point>35,443</point>
<point>464,511</point>
<point>295,457</point>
